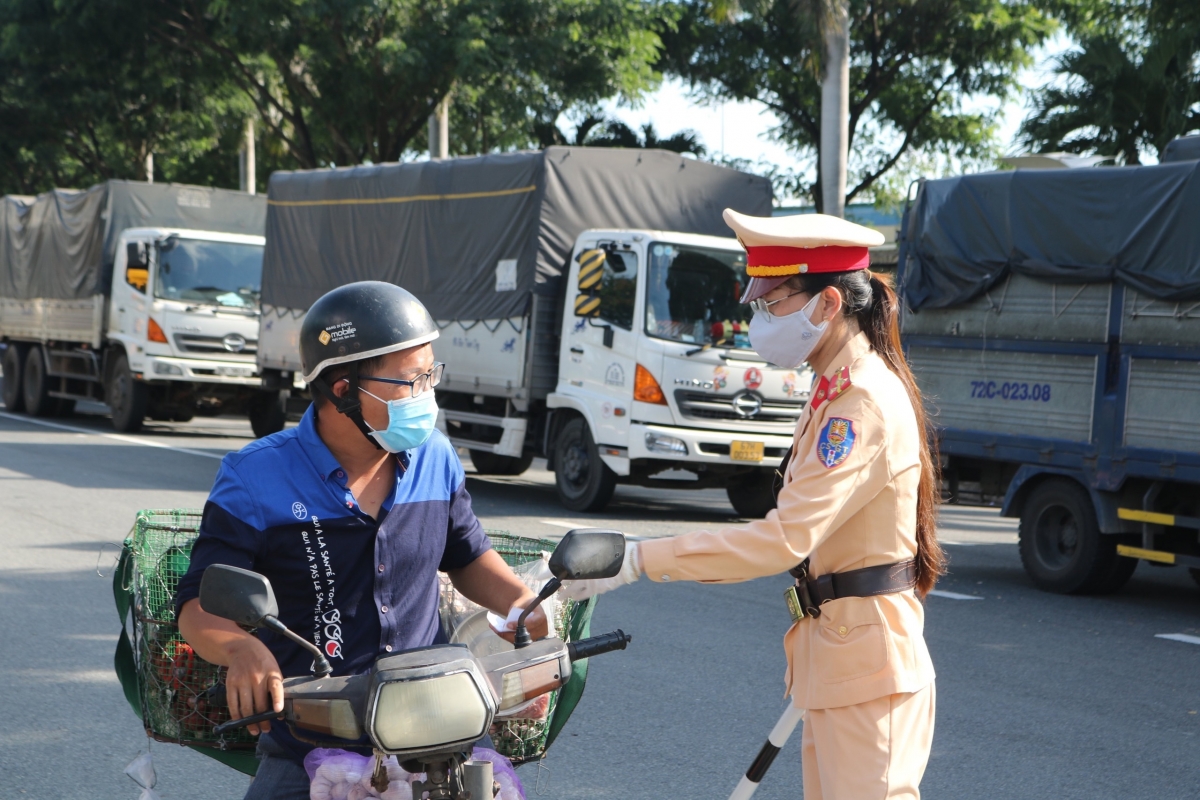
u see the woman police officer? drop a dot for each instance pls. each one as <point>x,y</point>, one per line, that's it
<point>855,517</point>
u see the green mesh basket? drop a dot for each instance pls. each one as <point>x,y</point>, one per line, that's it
<point>172,679</point>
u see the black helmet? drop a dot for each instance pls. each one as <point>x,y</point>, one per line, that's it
<point>354,322</point>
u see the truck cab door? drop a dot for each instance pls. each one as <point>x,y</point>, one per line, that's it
<point>131,293</point>
<point>598,359</point>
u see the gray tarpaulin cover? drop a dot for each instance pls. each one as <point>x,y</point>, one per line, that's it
<point>1185,148</point>
<point>450,231</point>
<point>61,244</point>
<point>1136,225</point>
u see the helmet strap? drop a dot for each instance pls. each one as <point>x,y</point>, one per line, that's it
<point>349,405</point>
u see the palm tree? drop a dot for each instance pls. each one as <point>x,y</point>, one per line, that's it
<point>1120,98</point>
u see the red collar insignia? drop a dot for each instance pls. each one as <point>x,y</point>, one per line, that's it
<point>828,389</point>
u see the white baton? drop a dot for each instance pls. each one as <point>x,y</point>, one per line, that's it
<point>762,762</point>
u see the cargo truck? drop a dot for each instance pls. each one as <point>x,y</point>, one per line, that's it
<point>141,296</point>
<point>1053,322</point>
<point>588,307</point>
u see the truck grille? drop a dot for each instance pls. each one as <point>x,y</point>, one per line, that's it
<point>705,405</point>
<point>212,345</point>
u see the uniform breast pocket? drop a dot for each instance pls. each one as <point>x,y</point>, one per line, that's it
<point>850,642</point>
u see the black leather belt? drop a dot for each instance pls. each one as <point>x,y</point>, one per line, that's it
<point>805,598</point>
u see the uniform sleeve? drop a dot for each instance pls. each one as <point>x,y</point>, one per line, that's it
<point>840,473</point>
<point>228,533</point>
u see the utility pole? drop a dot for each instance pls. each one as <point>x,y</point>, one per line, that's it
<point>835,108</point>
<point>247,180</point>
<point>439,130</point>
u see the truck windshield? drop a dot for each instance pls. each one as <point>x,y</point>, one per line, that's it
<point>226,274</point>
<point>692,295</point>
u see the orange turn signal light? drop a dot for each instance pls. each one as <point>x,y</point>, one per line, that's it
<point>154,332</point>
<point>646,389</point>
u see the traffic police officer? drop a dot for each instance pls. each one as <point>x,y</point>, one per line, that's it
<point>855,522</point>
<point>351,515</point>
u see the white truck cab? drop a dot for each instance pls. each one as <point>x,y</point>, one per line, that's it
<point>656,359</point>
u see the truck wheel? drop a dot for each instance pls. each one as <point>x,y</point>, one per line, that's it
<point>268,413</point>
<point>583,481</point>
<point>752,496</point>
<point>35,388</point>
<point>1061,546</point>
<point>491,464</point>
<point>128,398</point>
<point>14,367</point>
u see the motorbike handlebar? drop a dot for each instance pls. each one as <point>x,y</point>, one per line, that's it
<point>596,645</point>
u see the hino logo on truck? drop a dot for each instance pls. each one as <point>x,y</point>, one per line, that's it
<point>746,404</point>
<point>234,342</point>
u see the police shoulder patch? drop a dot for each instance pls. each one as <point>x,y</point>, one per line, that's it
<point>835,442</point>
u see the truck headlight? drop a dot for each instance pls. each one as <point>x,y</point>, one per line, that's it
<point>167,368</point>
<point>660,443</point>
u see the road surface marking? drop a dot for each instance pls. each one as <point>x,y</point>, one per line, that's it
<point>953,595</point>
<point>965,544</point>
<point>118,437</point>
<point>1178,637</point>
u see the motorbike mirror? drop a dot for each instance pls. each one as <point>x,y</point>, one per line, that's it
<point>588,554</point>
<point>239,595</point>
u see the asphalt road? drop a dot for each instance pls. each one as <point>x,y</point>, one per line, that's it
<point>1039,696</point>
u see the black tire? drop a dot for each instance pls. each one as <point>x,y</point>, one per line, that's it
<point>35,387</point>
<point>491,464</point>
<point>583,481</point>
<point>753,495</point>
<point>1061,546</point>
<point>268,413</point>
<point>128,398</point>
<point>14,369</point>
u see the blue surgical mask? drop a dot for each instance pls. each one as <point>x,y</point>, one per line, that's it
<point>410,422</point>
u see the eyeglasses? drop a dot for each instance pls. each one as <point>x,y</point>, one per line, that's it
<point>762,305</point>
<point>426,380</point>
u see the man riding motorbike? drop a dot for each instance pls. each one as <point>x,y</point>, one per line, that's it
<point>350,515</point>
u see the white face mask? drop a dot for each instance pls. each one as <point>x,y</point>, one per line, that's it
<point>786,341</point>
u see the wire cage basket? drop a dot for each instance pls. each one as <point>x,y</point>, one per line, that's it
<point>173,681</point>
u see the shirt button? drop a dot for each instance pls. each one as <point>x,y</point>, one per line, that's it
<point>383,609</point>
<point>388,648</point>
<point>842,631</point>
<point>381,567</point>
<point>666,578</point>
<point>341,474</point>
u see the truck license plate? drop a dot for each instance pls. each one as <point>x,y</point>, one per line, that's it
<point>746,451</point>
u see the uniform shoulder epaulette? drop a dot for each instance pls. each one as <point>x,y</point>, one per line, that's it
<point>830,388</point>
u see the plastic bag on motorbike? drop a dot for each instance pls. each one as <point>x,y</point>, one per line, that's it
<point>341,775</point>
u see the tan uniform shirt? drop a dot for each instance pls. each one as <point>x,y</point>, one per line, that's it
<point>849,501</point>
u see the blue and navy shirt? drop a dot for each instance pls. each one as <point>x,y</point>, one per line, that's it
<point>357,587</point>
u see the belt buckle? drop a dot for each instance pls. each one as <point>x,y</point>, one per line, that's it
<point>795,607</point>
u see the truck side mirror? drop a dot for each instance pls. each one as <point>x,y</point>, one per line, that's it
<point>238,595</point>
<point>591,270</point>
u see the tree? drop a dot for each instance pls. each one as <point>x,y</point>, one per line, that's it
<point>355,81</point>
<point>912,65</point>
<point>88,91</point>
<point>1132,85</point>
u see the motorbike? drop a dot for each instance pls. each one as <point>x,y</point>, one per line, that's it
<point>428,706</point>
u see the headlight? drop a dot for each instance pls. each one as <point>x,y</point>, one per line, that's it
<point>166,368</point>
<point>658,443</point>
<point>414,715</point>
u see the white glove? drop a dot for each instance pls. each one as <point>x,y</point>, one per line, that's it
<point>631,570</point>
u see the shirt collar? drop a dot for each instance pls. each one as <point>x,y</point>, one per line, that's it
<point>858,346</point>
<point>322,460</point>
<point>318,453</point>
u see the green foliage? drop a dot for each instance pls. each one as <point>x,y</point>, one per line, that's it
<point>355,81</point>
<point>1132,85</point>
<point>913,63</point>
